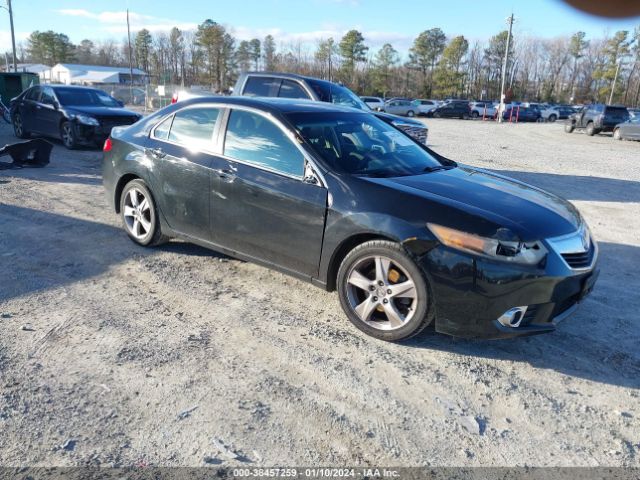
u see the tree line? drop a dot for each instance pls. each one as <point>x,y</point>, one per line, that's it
<point>562,69</point>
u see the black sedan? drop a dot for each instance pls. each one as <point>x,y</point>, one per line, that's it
<point>629,130</point>
<point>76,115</point>
<point>522,114</point>
<point>342,199</point>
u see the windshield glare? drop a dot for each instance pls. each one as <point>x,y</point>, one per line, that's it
<point>362,144</point>
<point>85,98</point>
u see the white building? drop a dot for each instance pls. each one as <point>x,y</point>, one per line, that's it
<point>70,73</point>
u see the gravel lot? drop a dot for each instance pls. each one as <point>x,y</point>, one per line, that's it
<point>112,354</point>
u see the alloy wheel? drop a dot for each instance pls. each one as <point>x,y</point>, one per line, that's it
<point>17,125</point>
<point>67,135</point>
<point>137,214</point>
<point>381,293</point>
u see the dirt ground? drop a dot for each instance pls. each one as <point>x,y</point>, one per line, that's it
<point>116,355</point>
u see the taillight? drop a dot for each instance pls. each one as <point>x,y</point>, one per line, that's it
<point>107,145</point>
<point>174,98</point>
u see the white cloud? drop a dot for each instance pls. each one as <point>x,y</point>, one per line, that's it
<point>116,22</point>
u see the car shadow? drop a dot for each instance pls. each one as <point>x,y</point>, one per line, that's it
<point>598,343</point>
<point>42,251</point>
<point>573,187</point>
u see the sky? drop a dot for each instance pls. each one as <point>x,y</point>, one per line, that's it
<point>394,21</point>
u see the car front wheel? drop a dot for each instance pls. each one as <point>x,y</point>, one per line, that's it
<point>383,292</point>
<point>68,135</point>
<point>569,127</point>
<point>590,130</point>
<point>616,134</point>
<point>139,214</point>
<point>411,113</point>
<point>18,127</point>
<point>552,118</point>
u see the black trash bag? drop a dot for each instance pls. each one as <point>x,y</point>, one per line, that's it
<point>32,153</point>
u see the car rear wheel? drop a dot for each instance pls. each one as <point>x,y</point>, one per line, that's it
<point>552,118</point>
<point>68,135</point>
<point>617,135</point>
<point>139,214</point>
<point>411,113</point>
<point>590,130</point>
<point>569,127</point>
<point>383,292</point>
<point>18,127</point>
<point>475,114</point>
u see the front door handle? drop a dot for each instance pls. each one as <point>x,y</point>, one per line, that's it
<point>156,152</point>
<point>225,174</point>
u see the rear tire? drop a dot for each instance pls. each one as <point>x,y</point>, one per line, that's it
<point>411,113</point>
<point>140,215</point>
<point>552,118</point>
<point>475,114</point>
<point>383,292</point>
<point>590,130</point>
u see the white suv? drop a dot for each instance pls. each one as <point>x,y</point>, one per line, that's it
<point>486,109</point>
<point>425,106</point>
<point>375,103</point>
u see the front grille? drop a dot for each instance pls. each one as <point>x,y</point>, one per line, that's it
<point>529,315</point>
<point>107,123</point>
<point>581,259</point>
<point>418,133</point>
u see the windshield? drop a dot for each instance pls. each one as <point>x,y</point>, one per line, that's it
<point>362,144</point>
<point>333,93</point>
<point>85,97</point>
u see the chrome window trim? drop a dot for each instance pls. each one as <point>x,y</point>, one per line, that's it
<point>575,243</point>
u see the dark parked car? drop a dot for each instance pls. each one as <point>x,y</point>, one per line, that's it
<point>452,109</point>
<point>629,130</point>
<point>522,114</point>
<point>290,85</point>
<point>344,200</point>
<point>597,118</point>
<point>76,115</point>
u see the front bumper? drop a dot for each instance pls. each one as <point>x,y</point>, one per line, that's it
<point>471,293</point>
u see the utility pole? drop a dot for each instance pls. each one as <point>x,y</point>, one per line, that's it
<point>615,79</point>
<point>13,36</point>
<point>130,60</point>
<point>510,20</point>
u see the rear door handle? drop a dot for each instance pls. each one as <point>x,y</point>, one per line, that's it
<point>156,152</point>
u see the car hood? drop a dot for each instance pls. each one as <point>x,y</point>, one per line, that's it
<point>530,212</point>
<point>101,111</point>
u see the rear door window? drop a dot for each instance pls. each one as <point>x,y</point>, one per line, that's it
<point>193,127</point>
<point>291,89</point>
<point>33,94</point>
<point>261,87</point>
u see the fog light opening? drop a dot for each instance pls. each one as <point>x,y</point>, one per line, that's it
<point>513,317</point>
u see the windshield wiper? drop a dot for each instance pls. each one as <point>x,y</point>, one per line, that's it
<point>436,168</point>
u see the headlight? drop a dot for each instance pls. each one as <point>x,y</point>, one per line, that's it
<point>87,120</point>
<point>505,248</point>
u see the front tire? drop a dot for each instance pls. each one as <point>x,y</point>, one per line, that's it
<point>569,127</point>
<point>18,127</point>
<point>617,135</point>
<point>474,114</point>
<point>68,135</point>
<point>139,214</point>
<point>411,113</point>
<point>590,130</point>
<point>552,118</point>
<point>383,292</point>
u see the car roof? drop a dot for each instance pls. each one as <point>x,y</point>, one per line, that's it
<point>273,104</point>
